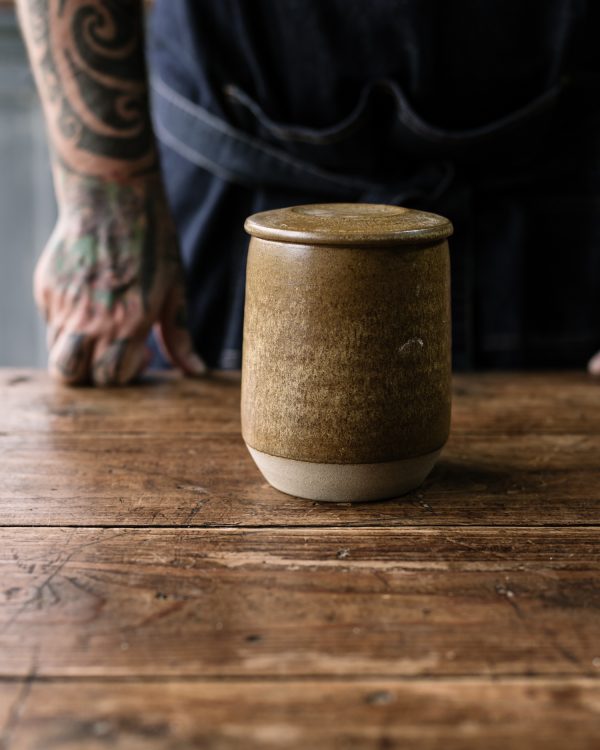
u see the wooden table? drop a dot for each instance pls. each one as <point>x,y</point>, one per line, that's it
<point>156,593</point>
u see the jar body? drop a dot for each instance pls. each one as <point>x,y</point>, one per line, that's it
<point>347,361</point>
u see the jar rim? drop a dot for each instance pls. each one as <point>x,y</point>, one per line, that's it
<point>348,224</point>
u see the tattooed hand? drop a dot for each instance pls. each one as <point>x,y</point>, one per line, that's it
<point>110,270</point>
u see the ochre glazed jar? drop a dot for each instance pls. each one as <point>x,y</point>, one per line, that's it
<point>347,359</point>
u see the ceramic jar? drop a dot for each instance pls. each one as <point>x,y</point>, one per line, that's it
<point>346,371</point>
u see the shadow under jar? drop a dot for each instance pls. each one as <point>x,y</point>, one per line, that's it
<point>346,371</point>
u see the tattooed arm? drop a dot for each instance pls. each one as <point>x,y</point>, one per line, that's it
<point>111,268</point>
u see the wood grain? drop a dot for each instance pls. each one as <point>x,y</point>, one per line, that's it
<point>9,693</point>
<point>496,403</point>
<point>170,453</point>
<point>133,602</point>
<point>156,593</point>
<point>456,714</point>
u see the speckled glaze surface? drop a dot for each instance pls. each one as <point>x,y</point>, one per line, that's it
<point>348,224</point>
<point>347,334</point>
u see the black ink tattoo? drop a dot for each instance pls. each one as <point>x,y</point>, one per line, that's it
<point>93,78</point>
<point>107,368</point>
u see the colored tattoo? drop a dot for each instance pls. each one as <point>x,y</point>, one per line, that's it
<point>88,56</point>
<point>112,267</point>
<point>112,236</point>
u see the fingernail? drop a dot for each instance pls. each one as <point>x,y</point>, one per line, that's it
<point>196,365</point>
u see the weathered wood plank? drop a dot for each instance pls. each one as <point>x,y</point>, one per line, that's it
<point>9,693</point>
<point>402,599</point>
<point>131,602</point>
<point>526,403</point>
<point>516,714</point>
<point>163,403</point>
<point>484,403</point>
<point>210,480</point>
<point>170,453</point>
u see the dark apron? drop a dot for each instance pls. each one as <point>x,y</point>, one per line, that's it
<point>521,189</point>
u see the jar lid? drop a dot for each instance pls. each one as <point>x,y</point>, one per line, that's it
<point>348,224</point>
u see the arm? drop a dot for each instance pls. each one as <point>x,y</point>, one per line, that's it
<point>111,268</point>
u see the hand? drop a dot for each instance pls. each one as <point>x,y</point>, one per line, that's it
<point>111,270</point>
<point>594,364</point>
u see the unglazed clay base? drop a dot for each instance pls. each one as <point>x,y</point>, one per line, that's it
<point>344,482</point>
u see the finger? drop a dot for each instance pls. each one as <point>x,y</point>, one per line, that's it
<point>594,364</point>
<point>174,337</point>
<point>135,361</point>
<point>118,362</point>
<point>180,355</point>
<point>70,356</point>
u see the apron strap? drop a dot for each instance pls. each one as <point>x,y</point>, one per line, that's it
<point>208,141</point>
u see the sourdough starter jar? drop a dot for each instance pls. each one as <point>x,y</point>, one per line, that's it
<point>346,371</point>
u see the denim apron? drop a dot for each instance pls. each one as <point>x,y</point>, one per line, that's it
<point>264,104</point>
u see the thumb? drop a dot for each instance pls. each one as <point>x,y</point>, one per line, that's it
<point>174,336</point>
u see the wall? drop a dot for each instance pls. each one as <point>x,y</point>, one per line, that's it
<point>27,207</point>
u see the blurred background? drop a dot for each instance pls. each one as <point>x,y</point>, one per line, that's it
<point>561,205</point>
<point>27,206</point>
